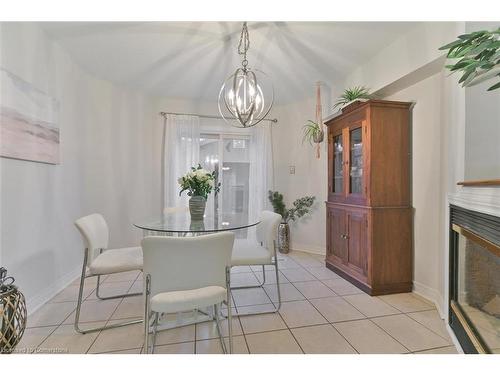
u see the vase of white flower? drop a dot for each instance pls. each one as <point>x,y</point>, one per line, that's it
<point>198,183</point>
<point>197,206</point>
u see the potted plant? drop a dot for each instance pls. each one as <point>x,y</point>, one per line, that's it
<point>198,183</point>
<point>301,207</point>
<point>352,94</point>
<point>478,55</point>
<point>313,133</point>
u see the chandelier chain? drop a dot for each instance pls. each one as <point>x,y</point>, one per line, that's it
<point>244,44</point>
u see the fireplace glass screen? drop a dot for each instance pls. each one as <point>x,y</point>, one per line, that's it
<point>478,288</point>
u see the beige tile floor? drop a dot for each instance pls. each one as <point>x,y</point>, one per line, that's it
<point>321,313</point>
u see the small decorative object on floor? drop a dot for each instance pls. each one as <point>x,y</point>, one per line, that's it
<point>301,207</point>
<point>198,183</point>
<point>12,313</point>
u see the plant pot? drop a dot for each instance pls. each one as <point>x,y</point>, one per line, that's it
<point>284,238</point>
<point>318,137</point>
<point>197,207</point>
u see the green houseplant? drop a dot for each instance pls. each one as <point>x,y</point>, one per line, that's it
<point>312,132</point>
<point>198,183</point>
<point>351,94</point>
<point>300,207</point>
<point>478,55</point>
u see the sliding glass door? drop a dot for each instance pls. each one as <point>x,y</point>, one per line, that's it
<point>229,156</point>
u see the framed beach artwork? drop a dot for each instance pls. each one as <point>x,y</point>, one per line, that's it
<point>29,128</point>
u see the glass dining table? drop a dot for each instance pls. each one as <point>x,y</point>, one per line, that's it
<point>179,223</point>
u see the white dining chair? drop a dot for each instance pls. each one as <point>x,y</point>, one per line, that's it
<point>260,251</point>
<point>98,260</point>
<point>186,273</point>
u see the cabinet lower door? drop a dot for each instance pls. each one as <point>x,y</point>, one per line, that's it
<point>357,242</point>
<point>337,244</point>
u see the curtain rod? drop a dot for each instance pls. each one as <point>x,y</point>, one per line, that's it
<point>164,114</point>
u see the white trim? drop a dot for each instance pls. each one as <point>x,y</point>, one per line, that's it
<point>432,295</point>
<point>317,250</point>
<point>34,303</point>
<point>480,199</point>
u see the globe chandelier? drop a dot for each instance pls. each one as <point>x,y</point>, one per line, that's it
<point>246,96</point>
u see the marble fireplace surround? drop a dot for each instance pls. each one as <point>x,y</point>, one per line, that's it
<point>480,199</point>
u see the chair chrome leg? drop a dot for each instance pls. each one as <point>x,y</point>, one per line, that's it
<point>79,306</point>
<point>277,278</point>
<point>155,331</point>
<point>219,330</point>
<point>112,297</point>
<point>253,286</point>
<point>276,269</point>
<point>229,309</point>
<point>80,294</point>
<point>146,315</point>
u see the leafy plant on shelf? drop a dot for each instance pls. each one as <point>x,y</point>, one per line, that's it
<point>198,182</point>
<point>351,94</point>
<point>479,57</point>
<point>312,132</point>
<point>301,206</point>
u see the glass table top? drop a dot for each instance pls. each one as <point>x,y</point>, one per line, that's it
<point>180,222</point>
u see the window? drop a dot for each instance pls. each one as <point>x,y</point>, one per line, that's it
<point>229,156</point>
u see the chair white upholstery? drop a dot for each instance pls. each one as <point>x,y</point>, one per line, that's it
<point>186,273</point>
<point>186,300</point>
<point>250,253</point>
<point>117,260</point>
<point>261,251</point>
<point>99,260</point>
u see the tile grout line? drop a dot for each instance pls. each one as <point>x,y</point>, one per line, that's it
<point>281,317</point>
<point>411,312</point>
<point>109,318</point>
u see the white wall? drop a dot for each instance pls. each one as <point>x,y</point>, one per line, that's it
<point>427,151</point>
<point>482,124</point>
<point>106,166</point>
<point>310,178</point>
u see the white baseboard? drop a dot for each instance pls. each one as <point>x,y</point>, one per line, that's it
<point>435,297</point>
<point>431,294</point>
<point>308,249</point>
<point>34,303</point>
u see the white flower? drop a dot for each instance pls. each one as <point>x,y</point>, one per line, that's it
<point>180,180</point>
<point>211,182</point>
<point>200,173</point>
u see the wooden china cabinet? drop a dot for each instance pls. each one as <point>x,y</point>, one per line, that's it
<point>369,214</point>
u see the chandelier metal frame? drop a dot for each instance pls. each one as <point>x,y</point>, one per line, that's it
<point>247,116</point>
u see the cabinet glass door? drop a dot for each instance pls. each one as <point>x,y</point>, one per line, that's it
<point>338,164</point>
<point>356,161</point>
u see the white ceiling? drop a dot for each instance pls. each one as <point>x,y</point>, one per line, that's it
<point>192,59</point>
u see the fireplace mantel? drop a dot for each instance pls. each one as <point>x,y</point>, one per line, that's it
<point>480,199</point>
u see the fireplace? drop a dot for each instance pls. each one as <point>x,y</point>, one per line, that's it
<point>474,298</point>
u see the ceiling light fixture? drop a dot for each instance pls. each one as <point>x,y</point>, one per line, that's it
<point>242,102</point>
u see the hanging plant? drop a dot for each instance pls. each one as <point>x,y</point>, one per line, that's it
<point>479,54</point>
<point>312,132</point>
<point>352,94</point>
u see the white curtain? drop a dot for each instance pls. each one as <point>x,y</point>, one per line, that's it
<point>261,168</point>
<point>181,151</point>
